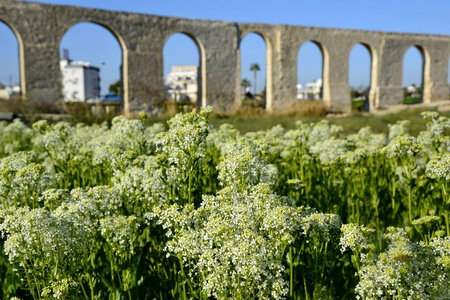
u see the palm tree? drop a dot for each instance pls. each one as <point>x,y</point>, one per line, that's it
<point>255,68</point>
<point>245,83</point>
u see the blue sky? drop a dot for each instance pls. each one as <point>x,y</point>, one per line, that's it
<point>414,16</point>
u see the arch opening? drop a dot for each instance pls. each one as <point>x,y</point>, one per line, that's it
<point>310,71</point>
<point>94,67</point>
<point>255,80</point>
<point>413,75</point>
<point>12,85</point>
<point>359,79</point>
<point>184,70</point>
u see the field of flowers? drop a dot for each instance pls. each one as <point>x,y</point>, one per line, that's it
<point>195,212</point>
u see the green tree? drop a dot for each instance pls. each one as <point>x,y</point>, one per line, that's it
<point>353,93</point>
<point>405,93</point>
<point>255,68</point>
<point>115,87</point>
<point>245,83</point>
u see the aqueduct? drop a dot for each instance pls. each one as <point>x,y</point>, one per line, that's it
<point>39,29</point>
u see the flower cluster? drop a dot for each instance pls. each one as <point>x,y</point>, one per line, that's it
<point>183,157</point>
<point>40,241</point>
<point>439,168</point>
<point>407,270</point>
<point>120,234</point>
<point>324,227</point>
<point>401,128</point>
<point>234,242</point>
<point>14,137</point>
<point>22,181</point>
<point>356,238</point>
<point>243,167</point>
<point>61,289</point>
<point>130,211</point>
<point>403,146</point>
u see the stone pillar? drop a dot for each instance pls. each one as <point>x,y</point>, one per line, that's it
<point>435,78</point>
<point>142,63</point>
<point>238,80</point>
<point>145,77</point>
<point>390,90</point>
<point>220,66</point>
<point>374,71</point>
<point>336,69</point>
<point>37,31</point>
<point>285,50</point>
<point>41,63</point>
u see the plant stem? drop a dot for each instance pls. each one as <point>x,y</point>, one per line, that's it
<point>410,202</point>
<point>444,198</point>
<point>306,288</point>
<point>291,267</point>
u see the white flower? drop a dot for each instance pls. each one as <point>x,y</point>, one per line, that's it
<point>439,167</point>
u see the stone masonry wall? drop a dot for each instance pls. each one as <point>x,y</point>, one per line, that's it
<point>40,28</point>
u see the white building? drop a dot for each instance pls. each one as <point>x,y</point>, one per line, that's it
<point>411,89</point>
<point>8,92</point>
<point>300,92</point>
<point>4,93</point>
<point>181,83</point>
<point>313,91</point>
<point>80,80</point>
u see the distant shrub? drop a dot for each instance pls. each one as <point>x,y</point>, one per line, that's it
<point>412,100</point>
<point>308,108</point>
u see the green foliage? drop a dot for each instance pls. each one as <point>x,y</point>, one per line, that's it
<point>245,83</point>
<point>144,212</point>
<point>313,111</point>
<point>357,104</point>
<point>116,87</point>
<point>255,68</point>
<point>412,100</point>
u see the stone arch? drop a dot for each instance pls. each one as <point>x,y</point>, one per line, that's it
<point>425,71</point>
<point>325,93</point>
<point>21,57</point>
<point>373,73</point>
<point>269,66</point>
<point>201,76</point>
<point>123,47</point>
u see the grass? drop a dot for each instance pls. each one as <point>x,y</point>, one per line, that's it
<point>255,119</point>
<point>379,123</point>
<point>357,104</point>
<point>412,100</point>
<point>10,105</point>
<point>351,124</point>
